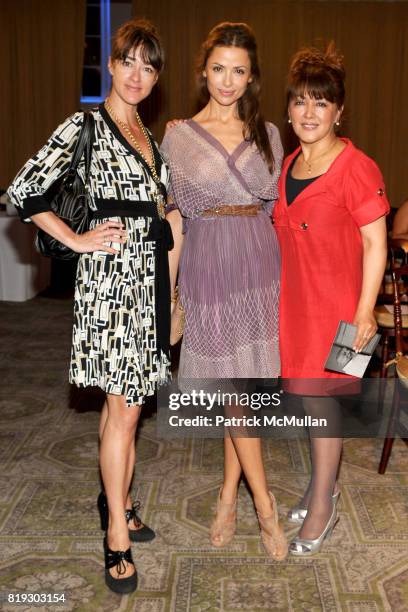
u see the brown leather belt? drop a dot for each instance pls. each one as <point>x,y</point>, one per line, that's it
<point>234,210</point>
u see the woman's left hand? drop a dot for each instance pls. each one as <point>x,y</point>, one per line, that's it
<point>366,328</point>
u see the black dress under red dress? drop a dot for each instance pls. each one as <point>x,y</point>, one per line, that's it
<point>322,254</point>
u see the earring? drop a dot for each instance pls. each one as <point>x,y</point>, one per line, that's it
<point>337,123</point>
<point>289,120</point>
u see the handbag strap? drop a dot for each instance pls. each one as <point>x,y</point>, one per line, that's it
<point>83,146</point>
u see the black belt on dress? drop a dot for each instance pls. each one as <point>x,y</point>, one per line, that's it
<point>160,233</point>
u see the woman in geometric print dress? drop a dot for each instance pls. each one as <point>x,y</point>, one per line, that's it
<point>120,335</point>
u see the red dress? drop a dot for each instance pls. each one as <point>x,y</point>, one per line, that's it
<point>321,251</point>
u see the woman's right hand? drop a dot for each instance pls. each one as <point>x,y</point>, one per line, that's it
<point>173,122</point>
<point>96,238</point>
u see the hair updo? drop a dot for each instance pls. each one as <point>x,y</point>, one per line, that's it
<point>320,74</point>
<point>134,33</point>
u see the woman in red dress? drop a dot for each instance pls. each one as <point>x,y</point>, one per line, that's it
<point>330,222</point>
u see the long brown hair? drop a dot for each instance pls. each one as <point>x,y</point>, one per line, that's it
<point>240,35</point>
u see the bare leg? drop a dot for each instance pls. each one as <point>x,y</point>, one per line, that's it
<point>325,455</point>
<point>103,418</point>
<point>131,456</point>
<point>223,525</point>
<point>245,453</point>
<point>249,453</point>
<point>232,471</point>
<point>117,440</point>
<point>129,475</point>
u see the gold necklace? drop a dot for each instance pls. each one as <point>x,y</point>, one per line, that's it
<point>158,197</point>
<point>310,163</point>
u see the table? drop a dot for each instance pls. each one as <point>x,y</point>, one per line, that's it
<point>23,271</point>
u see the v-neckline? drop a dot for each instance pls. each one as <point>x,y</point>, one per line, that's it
<point>217,144</point>
<point>118,134</point>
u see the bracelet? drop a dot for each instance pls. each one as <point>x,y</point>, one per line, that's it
<point>174,296</point>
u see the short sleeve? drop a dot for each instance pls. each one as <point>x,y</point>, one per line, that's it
<point>164,150</point>
<point>365,194</point>
<point>27,191</point>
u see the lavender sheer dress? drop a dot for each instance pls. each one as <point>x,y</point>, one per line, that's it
<point>229,266</point>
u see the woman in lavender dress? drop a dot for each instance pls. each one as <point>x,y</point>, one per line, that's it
<point>224,165</point>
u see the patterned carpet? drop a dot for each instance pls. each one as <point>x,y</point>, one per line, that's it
<point>49,532</point>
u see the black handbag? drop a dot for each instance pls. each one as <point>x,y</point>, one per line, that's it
<point>68,195</point>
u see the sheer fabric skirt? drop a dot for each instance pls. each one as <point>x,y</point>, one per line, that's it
<point>229,288</point>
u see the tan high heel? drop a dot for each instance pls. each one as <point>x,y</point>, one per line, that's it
<point>224,524</point>
<point>273,538</point>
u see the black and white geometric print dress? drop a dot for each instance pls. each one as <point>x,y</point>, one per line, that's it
<point>114,343</point>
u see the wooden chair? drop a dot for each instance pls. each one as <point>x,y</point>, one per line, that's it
<point>384,312</point>
<point>398,269</point>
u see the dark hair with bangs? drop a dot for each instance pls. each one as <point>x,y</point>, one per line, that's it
<point>239,35</point>
<point>135,33</point>
<point>320,74</point>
